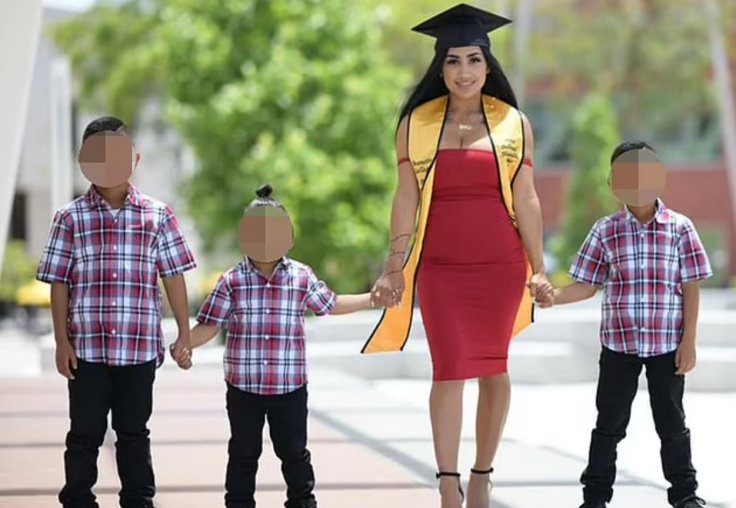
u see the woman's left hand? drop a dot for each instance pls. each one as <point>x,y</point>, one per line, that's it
<point>388,289</point>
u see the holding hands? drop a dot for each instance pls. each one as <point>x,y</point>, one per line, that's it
<point>181,351</point>
<point>541,290</point>
<point>388,289</point>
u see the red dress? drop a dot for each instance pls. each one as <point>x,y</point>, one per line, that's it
<point>472,271</point>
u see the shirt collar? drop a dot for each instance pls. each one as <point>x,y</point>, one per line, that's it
<point>133,197</point>
<point>662,214</point>
<point>284,264</point>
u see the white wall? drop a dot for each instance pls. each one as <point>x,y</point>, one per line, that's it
<point>20,22</point>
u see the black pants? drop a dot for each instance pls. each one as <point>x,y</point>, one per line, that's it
<point>287,422</point>
<point>617,386</point>
<point>96,390</point>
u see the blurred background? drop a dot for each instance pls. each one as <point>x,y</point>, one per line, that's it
<point>223,95</point>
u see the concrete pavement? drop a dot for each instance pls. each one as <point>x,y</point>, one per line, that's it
<point>370,433</point>
<point>189,433</point>
<point>371,445</point>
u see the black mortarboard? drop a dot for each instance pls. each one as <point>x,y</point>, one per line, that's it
<point>462,25</point>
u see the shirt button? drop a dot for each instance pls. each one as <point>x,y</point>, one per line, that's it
<point>114,275</point>
<point>113,331</point>
<point>114,303</point>
<point>265,362</point>
<point>267,337</point>
<point>267,311</point>
<point>114,247</point>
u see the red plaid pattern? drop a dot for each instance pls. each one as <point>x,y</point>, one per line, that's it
<point>111,261</point>
<point>265,350</point>
<point>642,269</point>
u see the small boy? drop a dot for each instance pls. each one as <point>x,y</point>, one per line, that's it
<point>261,302</point>
<point>104,255</point>
<point>649,261</point>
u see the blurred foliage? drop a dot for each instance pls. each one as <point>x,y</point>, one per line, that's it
<point>713,238</point>
<point>298,94</point>
<point>304,94</point>
<point>590,196</point>
<point>652,58</point>
<point>18,269</point>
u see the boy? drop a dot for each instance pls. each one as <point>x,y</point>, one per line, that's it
<point>105,252</point>
<point>261,303</point>
<point>649,260</point>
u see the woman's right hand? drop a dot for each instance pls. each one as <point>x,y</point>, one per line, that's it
<point>389,288</point>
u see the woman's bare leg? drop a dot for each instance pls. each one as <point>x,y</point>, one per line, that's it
<point>446,413</point>
<point>494,397</point>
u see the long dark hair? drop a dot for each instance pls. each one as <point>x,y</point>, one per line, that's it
<point>432,85</point>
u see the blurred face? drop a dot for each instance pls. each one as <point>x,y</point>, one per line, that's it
<point>638,178</point>
<point>464,71</point>
<point>108,159</point>
<point>266,234</point>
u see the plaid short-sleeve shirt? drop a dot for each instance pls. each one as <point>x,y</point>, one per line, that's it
<point>264,319</point>
<point>642,268</point>
<point>111,261</point>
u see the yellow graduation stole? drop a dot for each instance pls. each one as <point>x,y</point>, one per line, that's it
<point>426,123</point>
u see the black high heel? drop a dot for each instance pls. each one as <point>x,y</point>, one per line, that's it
<point>459,484</point>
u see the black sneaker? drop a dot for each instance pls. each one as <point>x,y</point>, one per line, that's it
<point>597,504</point>
<point>691,502</point>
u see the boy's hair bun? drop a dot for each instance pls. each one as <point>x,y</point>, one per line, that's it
<point>264,199</point>
<point>264,191</point>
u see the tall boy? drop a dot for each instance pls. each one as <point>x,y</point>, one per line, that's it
<point>104,255</point>
<point>649,261</point>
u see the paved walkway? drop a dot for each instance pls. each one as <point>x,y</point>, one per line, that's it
<point>189,433</point>
<point>370,441</point>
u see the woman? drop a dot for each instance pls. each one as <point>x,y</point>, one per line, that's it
<point>465,149</point>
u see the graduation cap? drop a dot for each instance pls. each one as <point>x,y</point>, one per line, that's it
<point>462,25</point>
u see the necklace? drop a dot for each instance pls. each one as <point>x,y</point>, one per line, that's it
<point>464,126</point>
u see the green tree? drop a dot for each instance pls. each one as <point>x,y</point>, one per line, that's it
<point>590,196</point>
<point>652,58</point>
<point>18,269</point>
<point>299,94</point>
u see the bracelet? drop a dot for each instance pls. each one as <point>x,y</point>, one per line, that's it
<point>400,236</point>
